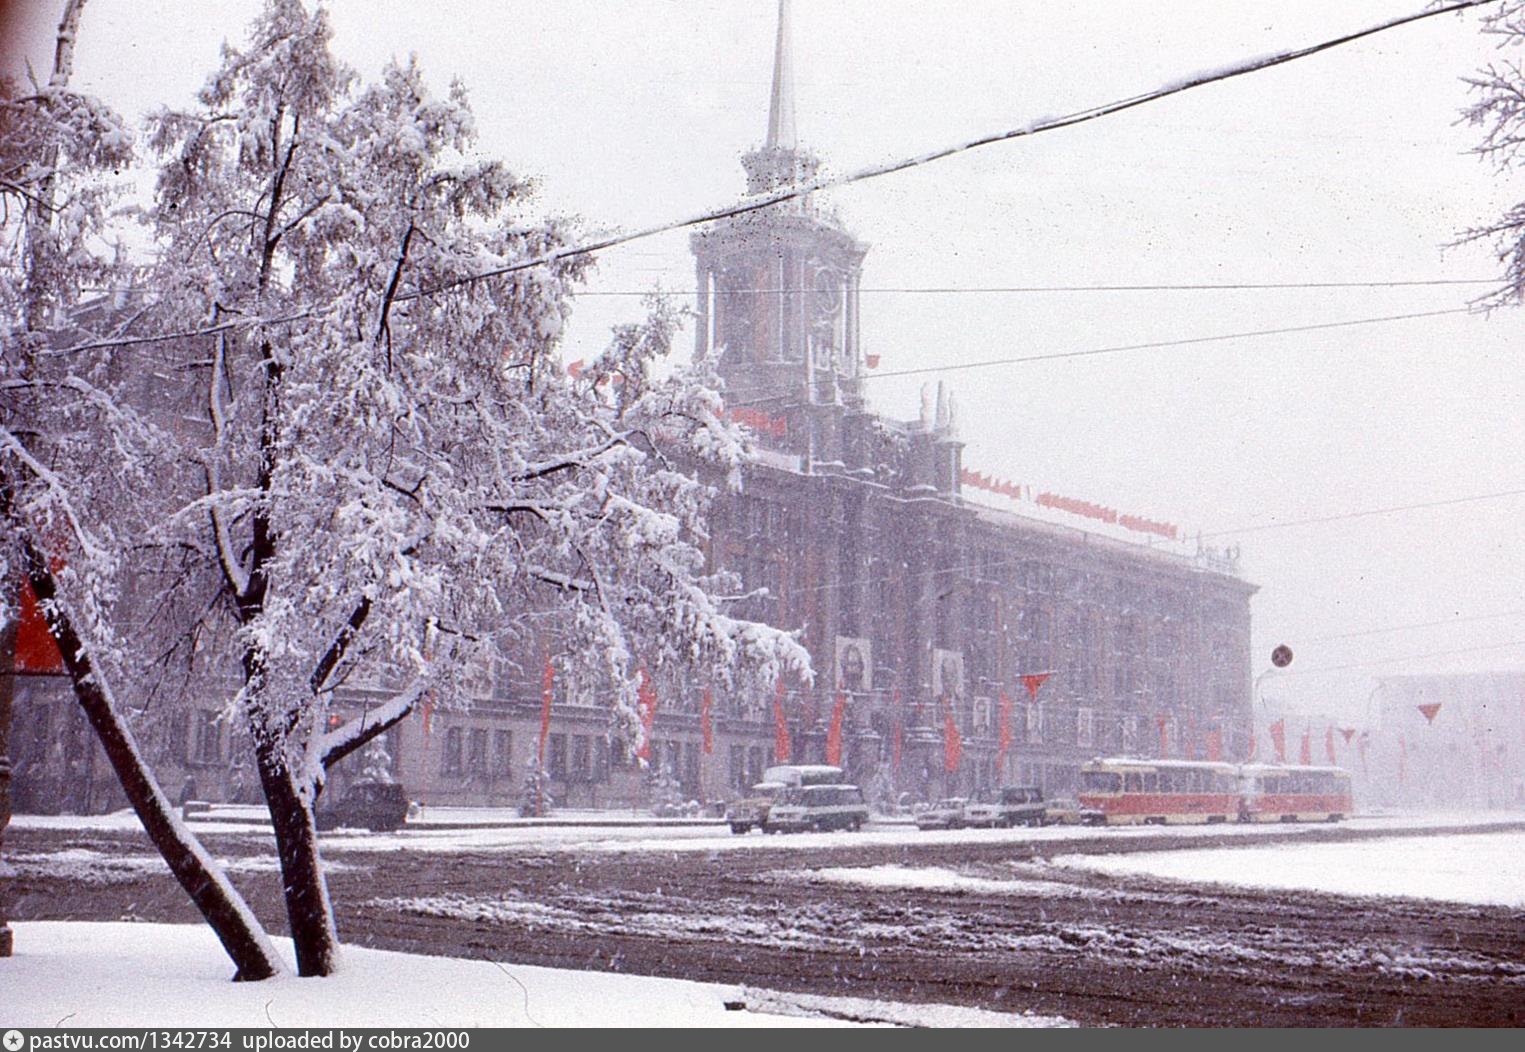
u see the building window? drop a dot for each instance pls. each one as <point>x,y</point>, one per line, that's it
<point>1085,727</point>
<point>179,736</point>
<point>503,752</point>
<point>476,751</point>
<point>209,738</point>
<point>600,759</point>
<point>557,760</point>
<point>451,763</point>
<point>582,758</point>
<point>1035,722</point>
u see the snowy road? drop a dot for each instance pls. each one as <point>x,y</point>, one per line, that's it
<point>979,918</point>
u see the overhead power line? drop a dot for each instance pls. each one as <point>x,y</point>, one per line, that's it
<point>956,290</point>
<point>1154,344</point>
<point>1400,660</point>
<point>1446,623</point>
<point>761,201</point>
<point>1365,514</point>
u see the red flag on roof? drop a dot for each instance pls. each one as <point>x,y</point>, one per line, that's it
<point>1430,711</point>
<point>834,731</point>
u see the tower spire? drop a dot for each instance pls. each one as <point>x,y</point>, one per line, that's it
<point>781,132</point>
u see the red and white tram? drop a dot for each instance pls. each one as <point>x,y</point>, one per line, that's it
<point>1294,794</point>
<point>1125,791</point>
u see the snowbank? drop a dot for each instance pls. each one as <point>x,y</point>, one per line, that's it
<point>168,975</point>
<point>1480,868</point>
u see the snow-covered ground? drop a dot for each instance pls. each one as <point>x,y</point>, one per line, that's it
<point>654,835</point>
<point>76,975</point>
<point>1480,868</point>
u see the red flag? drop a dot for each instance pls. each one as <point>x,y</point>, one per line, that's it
<point>834,731</point>
<point>1164,731</point>
<point>1347,733</point>
<point>1279,740</point>
<point>706,703</point>
<point>547,693</point>
<point>1005,740</point>
<point>1033,681</point>
<point>953,745</point>
<point>1305,754</point>
<point>647,707</point>
<point>1189,743</point>
<point>36,650</point>
<point>780,726</point>
<point>428,714</point>
<point>1430,711</point>
<point>1214,745</point>
<point>1329,745</point>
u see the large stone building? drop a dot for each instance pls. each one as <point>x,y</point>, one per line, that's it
<point>957,645</point>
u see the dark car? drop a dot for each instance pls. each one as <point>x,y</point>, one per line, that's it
<point>377,806</point>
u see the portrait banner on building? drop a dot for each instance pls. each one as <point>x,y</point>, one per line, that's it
<point>948,675</point>
<point>854,664</point>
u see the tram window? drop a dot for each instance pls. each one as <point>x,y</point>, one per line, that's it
<point>1133,782</point>
<point>1151,782</point>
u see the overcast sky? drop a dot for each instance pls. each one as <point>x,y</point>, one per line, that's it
<point>1348,166</point>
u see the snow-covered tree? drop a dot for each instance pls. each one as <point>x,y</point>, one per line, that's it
<point>360,466</point>
<point>535,799</point>
<point>1499,110</point>
<point>376,762</point>
<point>72,447</point>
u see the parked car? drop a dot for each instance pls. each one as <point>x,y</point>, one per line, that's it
<point>751,812</point>
<point>1015,805</point>
<point>1066,812</point>
<point>945,814</point>
<point>817,807</point>
<point>377,806</point>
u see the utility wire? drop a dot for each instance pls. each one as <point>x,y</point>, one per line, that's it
<point>1411,625</point>
<point>1095,351</point>
<point>1365,514</point>
<point>1125,348</point>
<point>924,290</point>
<point>1399,660</point>
<point>1037,127</point>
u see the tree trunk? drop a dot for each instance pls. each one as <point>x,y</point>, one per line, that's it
<point>7,697</point>
<point>308,910</point>
<point>225,911</point>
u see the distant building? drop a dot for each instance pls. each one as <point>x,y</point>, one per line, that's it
<point>1450,740</point>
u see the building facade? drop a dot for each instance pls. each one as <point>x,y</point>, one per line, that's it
<point>957,646</point>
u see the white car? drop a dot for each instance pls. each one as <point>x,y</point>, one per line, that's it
<point>945,814</point>
<point>1017,805</point>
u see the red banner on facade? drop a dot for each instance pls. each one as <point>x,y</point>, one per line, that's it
<point>953,744</point>
<point>1305,753</point>
<point>646,706</point>
<point>547,694</point>
<point>428,715</point>
<point>834,731</point>
<point>706,728</point>
<point>780,726</point>
<point>897,743</point>
<point>1279,740</point>
<point>1033,681</point>
<point>1329,746</point>
<point>1163,728</point>
<point>1214,745</point>
<point>1254,747</point>
<point>1005,740</point>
